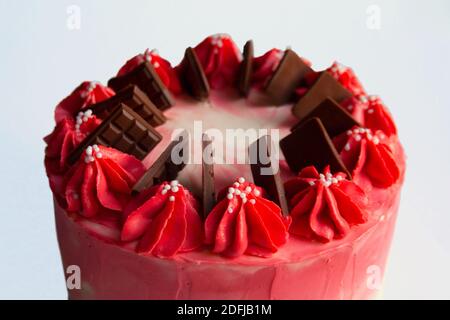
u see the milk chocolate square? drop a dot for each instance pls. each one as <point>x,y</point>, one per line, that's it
<point>145,77</point>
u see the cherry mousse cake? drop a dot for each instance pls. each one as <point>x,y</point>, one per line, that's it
<point>154,200</point>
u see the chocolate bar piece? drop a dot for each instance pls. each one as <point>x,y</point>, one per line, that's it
<point>265,174</point>
<point>290,73</point>
<point>124,130</point>
<point>246,68</point>
<point>145,77</point>
<point>310,145</point>
<point>334,118</point>
<point>164,168</point>
<point>324,87</point>
<point>193,77</point>
<point>134,98</point>
<point>208,191</point>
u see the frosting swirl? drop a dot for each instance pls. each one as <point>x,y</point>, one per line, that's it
<point>371,113</point>
<point>164,220</point>
<point>86,94</point>
<point>162,67</point>
<point>101,181</point>
<point>264,66</point>
<point>347,78</point>
<point>324,206</point>
<point>220,58</point>
<point>365,151</point>
<point>66,136</point>
<point>245,222</point>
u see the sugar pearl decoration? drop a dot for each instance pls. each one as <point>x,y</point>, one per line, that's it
<point>326,180</point>
<point>92,152</point>
<point>171,198</point>
<point>89,89</point>
<point>241,180</point>
<point>82,117</point>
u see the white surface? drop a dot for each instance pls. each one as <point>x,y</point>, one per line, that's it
<point>406,61</point>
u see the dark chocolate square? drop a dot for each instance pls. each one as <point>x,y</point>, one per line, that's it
<point>310,145</point>
<point>334,118</point>
<point>324,87</point>
<point>289,74</point>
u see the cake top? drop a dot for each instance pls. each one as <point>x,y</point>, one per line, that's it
<point>225,152</point>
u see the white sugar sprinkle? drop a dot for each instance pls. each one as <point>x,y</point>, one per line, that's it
<point>347,147</point>
<point>229,196</point>
<point>172,198</point>
<point>241,180</point>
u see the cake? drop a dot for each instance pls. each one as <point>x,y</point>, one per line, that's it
<point>228,176</point>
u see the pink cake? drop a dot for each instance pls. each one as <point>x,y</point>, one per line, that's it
<point>139,225</point>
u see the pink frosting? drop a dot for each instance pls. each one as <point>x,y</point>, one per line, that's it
<point>164,220</point>
<point>162,67</point>
<point>366,152</point>
<point>86,94</point>
<point>324,206</point>
<point>101,181</point>
<point>245,222</point>
<point>220,58</point>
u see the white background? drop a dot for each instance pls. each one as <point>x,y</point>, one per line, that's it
<point>406,61</point>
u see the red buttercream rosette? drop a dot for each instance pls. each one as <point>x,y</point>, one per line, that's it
<point>220,59</point>
<point>365,151</point>
<point>86,94</point>
<point>346,78</point>
<point>324,206</point>
<point>244,222</point>
<point>162,67</point>
<point>264,66</point>
<point>101,181</point>
<point>371,113</point>
<point>66,136</point>
<point>164,220</point>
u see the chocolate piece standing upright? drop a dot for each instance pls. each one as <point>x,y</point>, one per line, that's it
<point>265,174</point>
<point>134,98</point>
<point>334,118</point>
<point>145,77</point>
<point>124,130</point>
<point>164,168</point>
<point>246,68</point>
<point>208,188</point>
<point>310,145</point>
<point>290,73</point>
<point>324,87</point>
<point>192,75</point>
